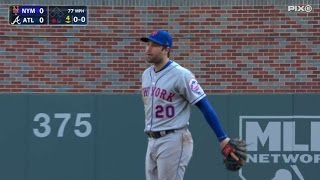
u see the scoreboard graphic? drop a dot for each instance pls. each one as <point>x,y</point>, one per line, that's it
<point>48,15</point>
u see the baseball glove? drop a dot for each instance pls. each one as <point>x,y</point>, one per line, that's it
<point>239,148</point>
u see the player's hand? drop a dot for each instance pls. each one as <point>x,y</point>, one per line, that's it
<point>232,154</point>
<point>235,153</point>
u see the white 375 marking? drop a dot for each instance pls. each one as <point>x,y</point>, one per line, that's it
<point>45,130</point>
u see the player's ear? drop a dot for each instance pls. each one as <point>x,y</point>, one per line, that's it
<point>166,49</point>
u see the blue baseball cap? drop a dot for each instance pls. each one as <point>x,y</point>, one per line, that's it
<point>160,37</point>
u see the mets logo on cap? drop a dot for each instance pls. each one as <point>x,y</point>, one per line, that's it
<point>154,33</point>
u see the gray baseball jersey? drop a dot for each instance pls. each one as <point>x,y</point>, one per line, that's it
<point>168,96</point>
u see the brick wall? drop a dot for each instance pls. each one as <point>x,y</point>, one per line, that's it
<point>230,49</point>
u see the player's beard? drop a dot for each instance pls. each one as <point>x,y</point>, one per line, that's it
<point>155,59</point>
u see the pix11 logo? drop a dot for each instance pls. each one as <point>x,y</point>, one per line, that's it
<point>306,8</point>
<point>281,147</point>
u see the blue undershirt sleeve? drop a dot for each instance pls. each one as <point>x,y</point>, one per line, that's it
<point>212,118</point>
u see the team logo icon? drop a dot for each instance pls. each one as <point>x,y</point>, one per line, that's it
<point>16,21</point>
<point>15,10</point>
<point>154,33</point>
<point>195,86</point>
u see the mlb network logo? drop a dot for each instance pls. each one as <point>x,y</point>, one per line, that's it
<point>280,147</point>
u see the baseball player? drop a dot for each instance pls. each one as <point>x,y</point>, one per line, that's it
<point>168,91</point>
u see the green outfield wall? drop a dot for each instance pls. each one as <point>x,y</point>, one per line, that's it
<point>100,137</point>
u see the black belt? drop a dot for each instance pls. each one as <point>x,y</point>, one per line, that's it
<point>159,134</point>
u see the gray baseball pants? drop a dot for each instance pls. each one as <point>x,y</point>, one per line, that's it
<point>167,157</point>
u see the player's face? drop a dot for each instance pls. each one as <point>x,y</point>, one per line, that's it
<point>155,53</point>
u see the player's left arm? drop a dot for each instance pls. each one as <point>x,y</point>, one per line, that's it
<point>212,118</point>
<point>233,150</point>
<point>215,123</point>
